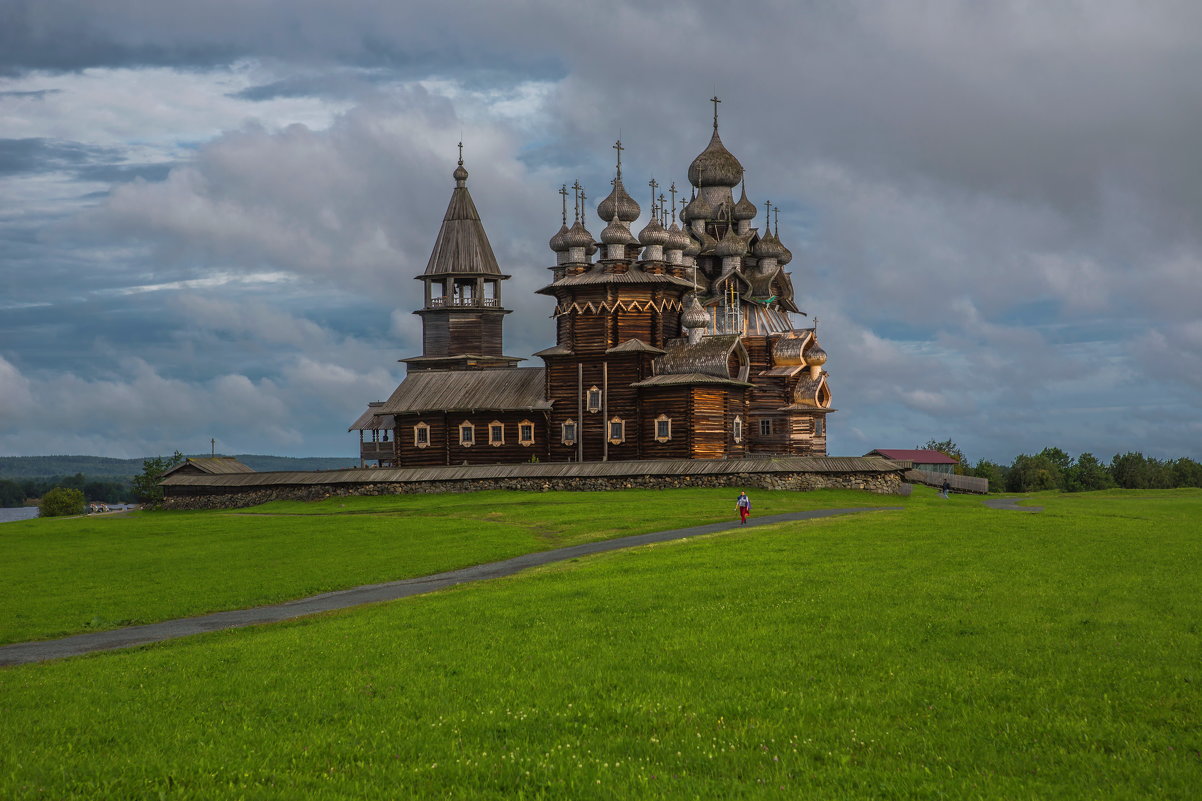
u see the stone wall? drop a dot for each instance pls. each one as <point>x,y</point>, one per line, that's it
<point>239,497</point>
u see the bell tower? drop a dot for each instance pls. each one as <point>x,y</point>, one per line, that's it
<point>463,313</point>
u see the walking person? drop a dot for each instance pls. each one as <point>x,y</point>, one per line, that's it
<point>947,487</point>
<point>743,505</point>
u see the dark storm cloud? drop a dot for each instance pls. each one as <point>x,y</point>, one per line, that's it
<point>42,155</point>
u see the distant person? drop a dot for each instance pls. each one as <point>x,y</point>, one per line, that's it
<point>743,505</point>
<point>947,487</point>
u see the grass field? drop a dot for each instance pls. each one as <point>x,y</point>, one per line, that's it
<point>945,651</point>
<point>65,576</point>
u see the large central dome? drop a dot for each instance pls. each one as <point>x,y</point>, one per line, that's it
<point>715,166</point>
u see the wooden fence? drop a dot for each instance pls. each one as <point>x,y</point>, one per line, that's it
<point>958,483</point>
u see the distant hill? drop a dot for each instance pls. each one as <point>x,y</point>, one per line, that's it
<point>104,467</point>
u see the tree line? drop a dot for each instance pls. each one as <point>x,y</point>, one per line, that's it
<point>1054,469</point>
<point>16,491</point>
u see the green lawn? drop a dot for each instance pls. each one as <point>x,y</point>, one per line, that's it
<point>945,651</point>
<point>65,576</point>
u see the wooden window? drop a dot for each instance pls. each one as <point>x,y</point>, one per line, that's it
<point>737,429</point>
<point>467,434</point>
<point>617,431</point>
<point>593,403</point>
<point>526,433</point>
<point>663,428</point>
<point>421,435</point>
<point>819,426</point>
<point>496,433</point>
<point>568,432</point>
<point>765,428</point>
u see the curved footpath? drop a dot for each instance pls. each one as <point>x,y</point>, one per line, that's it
<point>1010,504</point>
<point>41,651</point>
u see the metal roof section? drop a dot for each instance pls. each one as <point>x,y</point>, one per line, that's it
<point>512,389</point>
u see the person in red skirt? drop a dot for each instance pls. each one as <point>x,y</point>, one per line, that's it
<point>744,507</point>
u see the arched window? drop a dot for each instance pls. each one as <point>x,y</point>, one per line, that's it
<point>663,428</point>
<point>593,403</point>
<point>467,434</point>
<point>421,436</point>
<point>568,432</point>
<point>617,431</point>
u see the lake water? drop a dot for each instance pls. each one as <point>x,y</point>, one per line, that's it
<point>18,513</point>
<point>30,512</point>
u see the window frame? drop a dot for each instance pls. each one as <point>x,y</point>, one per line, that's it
<point>420,441</point>
<point>524,441</point>
<point>563,432</point>
<point>666,422</point>
<point>593,399</point>
<point>766,427</point>
<point>736,428</point>
<point>609,430</point>
<point>470,440</point>
<point>819,425</point>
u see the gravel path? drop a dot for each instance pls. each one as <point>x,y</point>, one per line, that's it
<point>41,651</point>
<point>1010,504</point>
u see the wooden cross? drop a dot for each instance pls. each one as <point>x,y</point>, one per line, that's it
<point>618,147</point>
<point>672,191</point>
<point>715,101</point>
<point>767,214</point>
<point>576,196</point>
<point>461,154</point>
<point>563,190</point>
<point>654,184</point>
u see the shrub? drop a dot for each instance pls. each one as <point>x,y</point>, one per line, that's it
<point>61,501</point>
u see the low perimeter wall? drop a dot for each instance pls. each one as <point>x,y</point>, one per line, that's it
<point>957,483</point>
<point>231,491</point>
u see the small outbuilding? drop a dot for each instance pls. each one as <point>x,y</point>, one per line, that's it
<point>930,461</point>
<point>208,466</point>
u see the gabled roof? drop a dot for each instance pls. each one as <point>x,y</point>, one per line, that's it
<point>211,465</point>
<point>914,455</point>
<point>502,389</point>
<point>635,345</point>
<point>598,275</point>
<point>372,419</point>
<point>462,245</point>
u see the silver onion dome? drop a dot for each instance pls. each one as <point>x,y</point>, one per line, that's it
<point>715,166</point>
<point>677,238</point>
<point>619,202</point>
<point>815,357</point>
<point>557,243</point>
<point>694,315</point>
<point>744,209</point>
<point>653,233</point>
<point>730,245</point>
<point>699,209</point>
<point>768,247</point>
<point>616,233</point>
<point>578,236</point>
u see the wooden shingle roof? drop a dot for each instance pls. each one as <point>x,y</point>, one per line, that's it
<point>502,389</point>
<point>209,465</point>
<point>462,245</point>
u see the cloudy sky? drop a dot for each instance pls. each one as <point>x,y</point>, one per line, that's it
<point>211,213</point>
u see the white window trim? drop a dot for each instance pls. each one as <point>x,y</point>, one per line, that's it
<point>563,431</point>
<point>618,440</point>
<point>526,443</point>
<point>663,418</point>
<point>491,441</point>
<point>471,427</point>
<point>737,428</point>
<point>593,399</point>
<point>417,443</point>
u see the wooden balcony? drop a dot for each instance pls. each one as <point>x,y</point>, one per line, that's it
<point>375,451</point>
<point>467,303</point>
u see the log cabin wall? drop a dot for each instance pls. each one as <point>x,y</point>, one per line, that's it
<point>765,399</point>
<point>676,403</point>
<point>444,447</point>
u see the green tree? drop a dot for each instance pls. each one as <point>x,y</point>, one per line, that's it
<point>993,471</point>
<point>1136,471</point>
<point>1032,474</point>
<point>1087,474</point>
<point>62,501</point>
<point>1186,473</point>
<point>146,484</point>
<point>949,448</point>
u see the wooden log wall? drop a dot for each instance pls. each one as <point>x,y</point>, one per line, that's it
<point>444,447</point>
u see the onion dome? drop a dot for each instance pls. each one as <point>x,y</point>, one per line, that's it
<point>654,233</point>
<point>815,357</point>
<point>730,245</point>
<point>694,315</point>
<point>578,236</point>
<point>744,209</point>
<point>619,202</point>
<point>786,255</point>
<point>768,247</point>
<point>693,249</point>
<point>677,238</point>
<point>616,233</point>
<point>460,173</point>
<point>715,166</point>
<point>557,243</point>
<point>699,209</point>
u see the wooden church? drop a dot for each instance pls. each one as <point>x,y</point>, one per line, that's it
<point>675,343</point>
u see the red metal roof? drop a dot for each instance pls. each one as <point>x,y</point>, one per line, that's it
<point>917,456</point>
